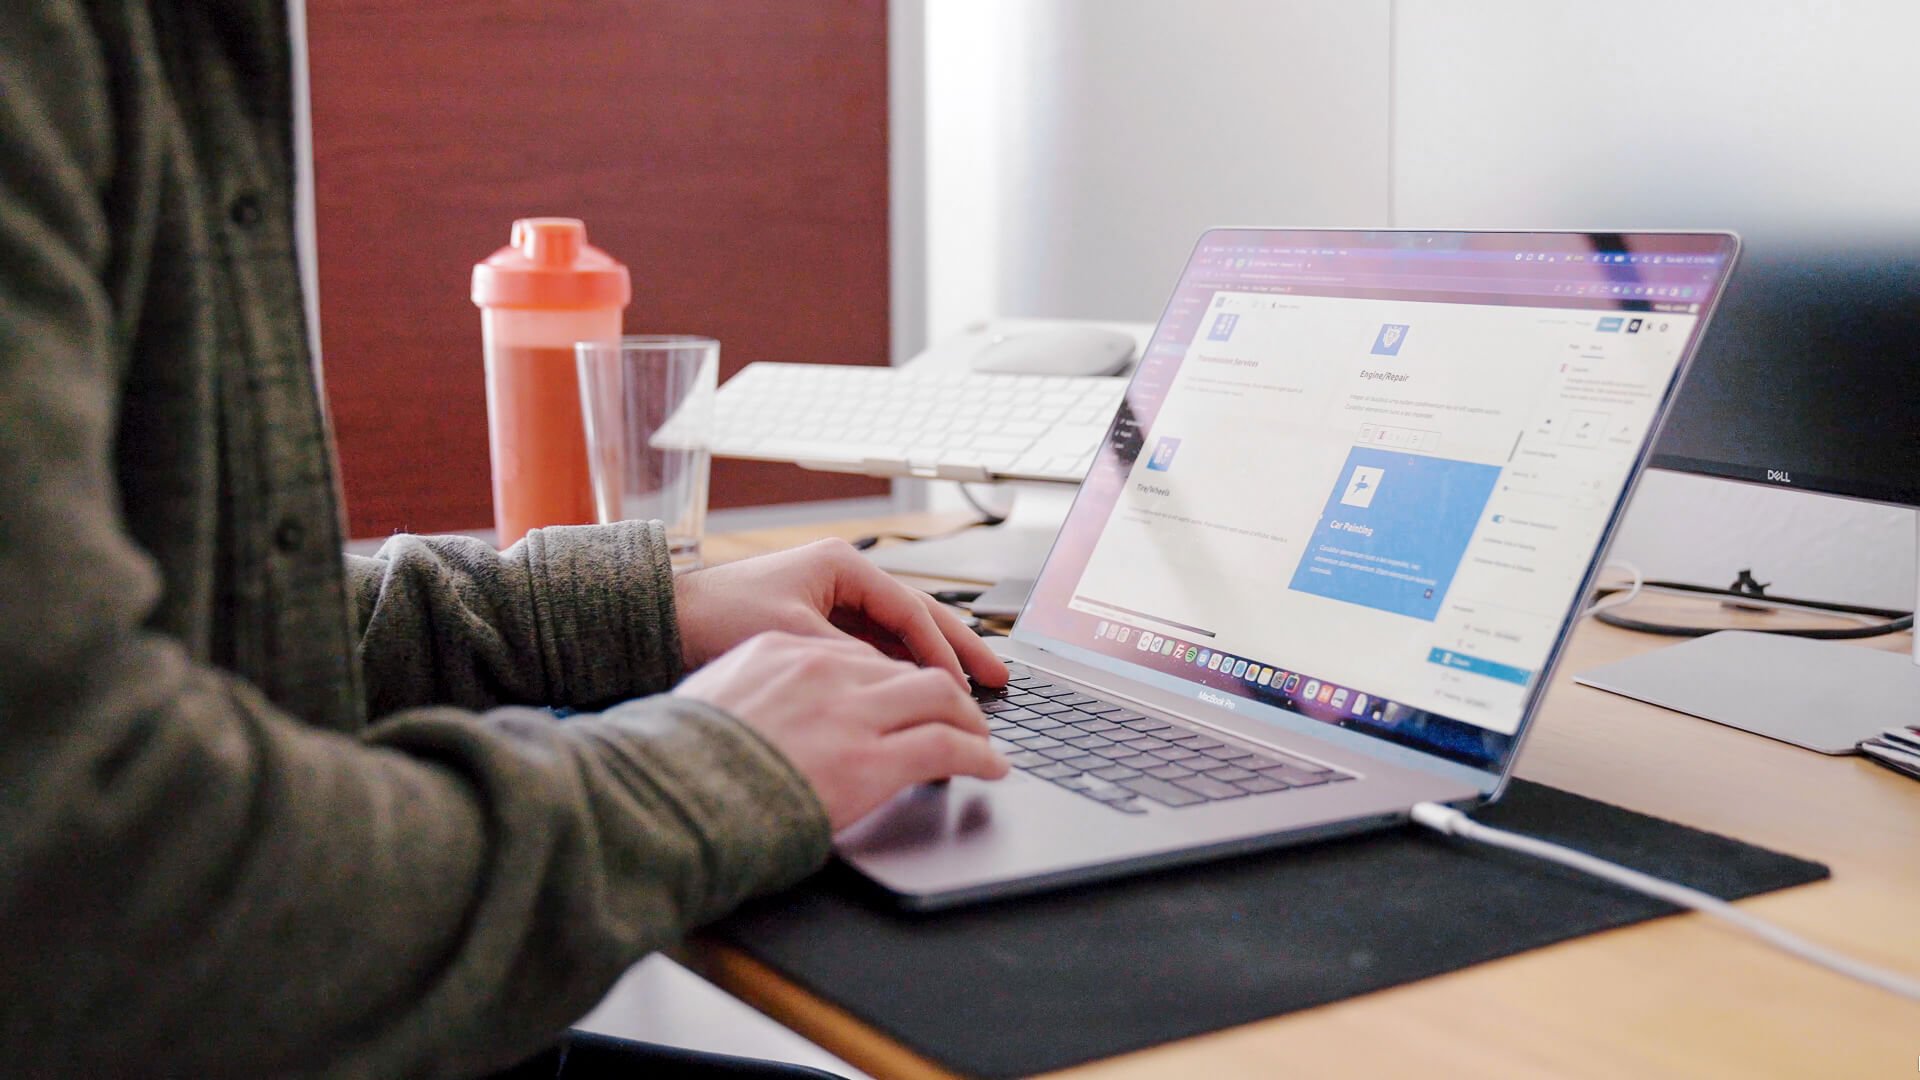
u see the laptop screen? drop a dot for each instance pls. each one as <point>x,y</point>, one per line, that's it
<point>1362,476</point>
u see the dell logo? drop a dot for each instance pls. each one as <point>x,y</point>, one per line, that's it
<point>1779,476</point>
<point>1216,699</point>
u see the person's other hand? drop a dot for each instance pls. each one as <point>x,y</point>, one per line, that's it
<point>859,726</point>
<point>826,589</point>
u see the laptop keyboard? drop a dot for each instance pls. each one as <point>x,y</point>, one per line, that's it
<point>1125,759</point>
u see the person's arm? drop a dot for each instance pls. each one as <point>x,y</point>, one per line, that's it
<point>580,616</point>
<point>192,883</point>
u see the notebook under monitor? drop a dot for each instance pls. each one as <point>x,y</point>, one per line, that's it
<point>1323,565</point>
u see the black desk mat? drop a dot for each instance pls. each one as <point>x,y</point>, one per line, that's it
<point>1030,985</point>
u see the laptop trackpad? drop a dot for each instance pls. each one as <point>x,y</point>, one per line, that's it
<point>921,816</point>
<point>940,837</point>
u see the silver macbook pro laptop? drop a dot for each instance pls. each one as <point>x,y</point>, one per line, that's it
<point>1323,566</point>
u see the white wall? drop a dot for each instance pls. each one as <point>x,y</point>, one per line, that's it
<point>1076,147</point>
<point>1133,125</point>
<point>1778,117</point>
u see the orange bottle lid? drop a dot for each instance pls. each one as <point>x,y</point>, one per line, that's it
<point>548,264</point>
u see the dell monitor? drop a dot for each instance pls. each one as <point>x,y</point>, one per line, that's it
<point>1806,380</point>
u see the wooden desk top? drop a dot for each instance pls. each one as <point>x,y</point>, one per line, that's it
<point>1680,996</point>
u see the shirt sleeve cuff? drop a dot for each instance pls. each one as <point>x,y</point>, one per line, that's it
<point>604,612</point>
<point>760,825</point>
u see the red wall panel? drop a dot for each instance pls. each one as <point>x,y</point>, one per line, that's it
<point>732,153</point>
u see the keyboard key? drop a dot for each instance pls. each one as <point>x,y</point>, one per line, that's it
<point>1138,761</point>
<point>989,444</point>
<point>1098,727</point>
<point>1050,709</point>
<point>1298,777</point>
<point>1113,753</point>
<point>1174,753</point>
<point>1085,761</point>
<point>997,705</point>
<point>1053,691</point>
<point>1026,699</point>
<point>1116,772</point>
<point>1090,742</point>
<point>1127,735</point>
<point>1211,788</point>
<point>1060,753</point>
<point>1040,742</point>
<point>1111,794</point>
<point>1077,700</point>
<point>1231,773</point>
<point>1026,760</point>
<point>1169,771</point>
<point>1099,708</point>
<point>1149,743</point>
<point>1127,718</point>
<point>1076,782</point>
<point>1138,722</point>
<point>1044,723</point>
<point>1204,744</point>
<point>1258,783</point>
<point>1131,806</point>
<point>1014,713</point>
<point>1161,791</point>
<point>1055,770</point>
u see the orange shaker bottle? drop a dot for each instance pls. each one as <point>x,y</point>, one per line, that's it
<point>537,296</point>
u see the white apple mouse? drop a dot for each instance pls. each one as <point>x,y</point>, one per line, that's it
<point>1066,350</point>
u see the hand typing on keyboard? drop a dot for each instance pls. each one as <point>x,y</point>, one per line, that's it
<point>858,680</point>
<point>858,726</point>
<point>826,589</point>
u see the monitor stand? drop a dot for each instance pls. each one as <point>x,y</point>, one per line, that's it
<point>1015,548</point>
<point>1821,695</point>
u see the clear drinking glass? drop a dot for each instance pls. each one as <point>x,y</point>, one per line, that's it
<point>647,403</point>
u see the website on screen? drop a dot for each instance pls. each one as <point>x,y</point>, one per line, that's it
<point>1372,507</point>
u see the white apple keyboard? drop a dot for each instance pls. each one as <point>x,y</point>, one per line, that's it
<point>931,424</point>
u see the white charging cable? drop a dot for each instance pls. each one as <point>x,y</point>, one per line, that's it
<point>1620,599</point>
<point>1452,822</point>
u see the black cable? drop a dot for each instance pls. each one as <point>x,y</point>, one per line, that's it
<point>868,541</point>
<point>1747,589</point>
<point>864,542</point>
<point>957,597</point>
<point>988,519</point>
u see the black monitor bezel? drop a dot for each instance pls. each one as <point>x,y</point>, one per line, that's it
<point>1803,261</point>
